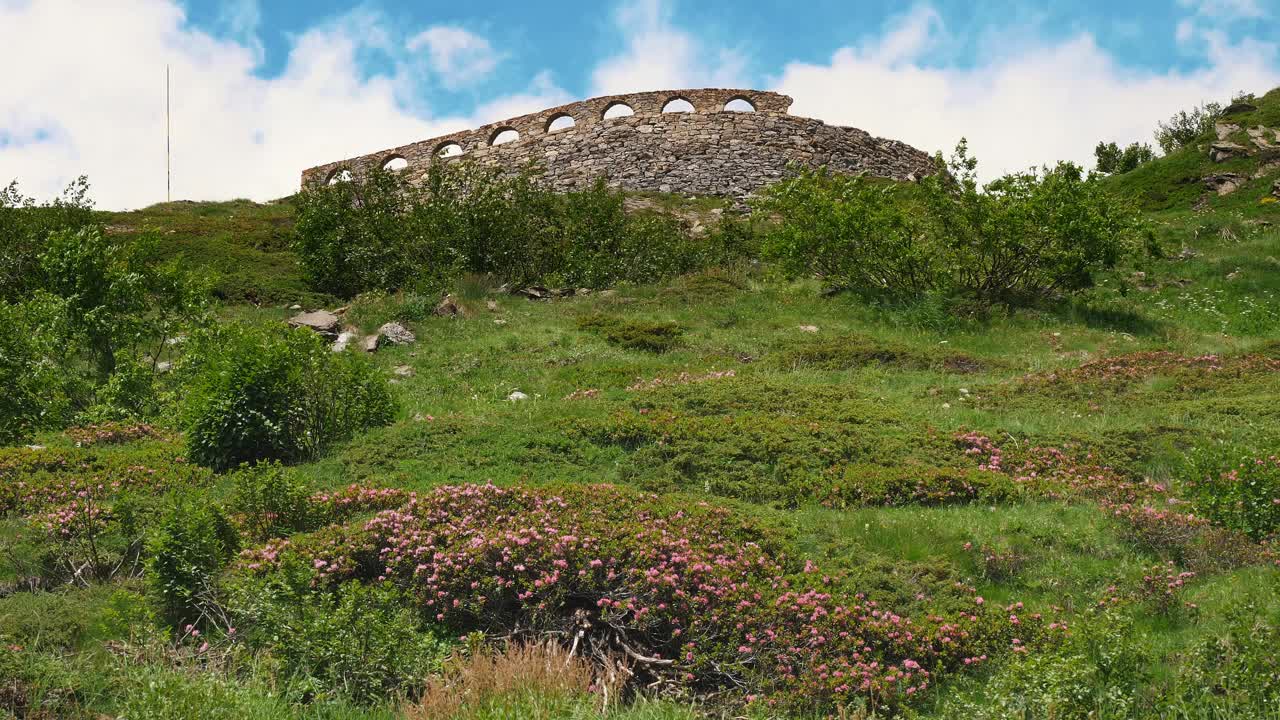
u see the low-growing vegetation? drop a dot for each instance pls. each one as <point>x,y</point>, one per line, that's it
<point>627,470</point>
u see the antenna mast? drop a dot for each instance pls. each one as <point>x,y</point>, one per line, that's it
<point>168,173</point>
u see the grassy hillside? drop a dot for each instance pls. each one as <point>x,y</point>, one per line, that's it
<point>1039,461</point>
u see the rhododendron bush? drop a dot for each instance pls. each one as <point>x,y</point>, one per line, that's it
<point>684,593</point>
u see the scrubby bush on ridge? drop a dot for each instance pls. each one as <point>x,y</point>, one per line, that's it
<point>266,392</point>
<point>387,232</point>
<point>1021,238</point>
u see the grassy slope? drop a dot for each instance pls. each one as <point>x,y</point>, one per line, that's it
<point>772,437</point>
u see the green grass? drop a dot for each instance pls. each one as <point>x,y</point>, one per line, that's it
<point>737,387</point>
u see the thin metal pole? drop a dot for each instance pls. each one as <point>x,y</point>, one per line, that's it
<point>168,172</point>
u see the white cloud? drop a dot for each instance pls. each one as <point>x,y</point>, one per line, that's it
<point>1047,102</point>
<point>656,55</point>
<point>93,102</point>
<point>457,56</point>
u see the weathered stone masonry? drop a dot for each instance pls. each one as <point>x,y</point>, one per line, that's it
<point>718,148</point>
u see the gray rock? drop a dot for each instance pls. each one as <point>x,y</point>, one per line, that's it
<point>295,307</point>
<point>448,307</point>
<point>1223,151</point>
<point>403,371</point>
<point>1275,189</point>
<point>164,366</point>
<point>1224,183</point>
<point>1225,130</point>
<point>322,321</point>
<point>517,396</point>
<point>1239,107</point>
<point>370,343</point>
<point>345,338</point>
<point>397,334</point>
<point>1258,135</point>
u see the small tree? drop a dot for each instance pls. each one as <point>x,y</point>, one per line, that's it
<point>266,392</point>
<point>851,231</point>
<point>1185,127</point>
<point>1112,160</point>
<point>25,226</point>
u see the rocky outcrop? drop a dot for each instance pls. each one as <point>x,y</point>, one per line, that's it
<point>731,143</point>
<point>1224,150</point>
<point>1224,183</point>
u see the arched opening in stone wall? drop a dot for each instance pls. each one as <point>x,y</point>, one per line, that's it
<point>449,150</point>
<point>502,136</point>
<point>617,110</point>
<point>339,175</point>
<point>678,105</point>
<point>395,163</point>
<point>739,104</point>
<point>562,121</point>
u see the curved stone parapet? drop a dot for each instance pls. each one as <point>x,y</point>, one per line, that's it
<point>726,142</point>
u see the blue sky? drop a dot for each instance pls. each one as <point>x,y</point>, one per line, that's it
<point>264,88</point>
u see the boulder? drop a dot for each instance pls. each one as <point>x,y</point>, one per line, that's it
<point>371,342</point>
<point>517,396</point>
<point>1225,130</point>
<point>345,338</point>
<point>1258,135</point>
<point>448,307</point>
<point>1223,151</point>
<point>322,321</point>
<point>397,334</point>
<point>1224,183</point>
<point>535,292</point>
<point>1239,107</point>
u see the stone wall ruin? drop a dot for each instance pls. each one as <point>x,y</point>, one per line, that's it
<point>722,142</point>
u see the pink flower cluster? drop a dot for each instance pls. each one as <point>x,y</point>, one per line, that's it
<point>701,597</point>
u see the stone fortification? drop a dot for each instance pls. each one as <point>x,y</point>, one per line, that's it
<point>702,142</point>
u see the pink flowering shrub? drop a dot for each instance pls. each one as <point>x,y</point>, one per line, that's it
<point>1150,517</point>
<point>111,433</point>
<point>32,481</point>
<point>1242,493</point>
<point>688,594</point>
<point>1113,376</point>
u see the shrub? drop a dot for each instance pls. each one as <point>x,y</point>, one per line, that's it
<point>361,643</point>
<point>1111,160</point>
<point>24,230</point>
<point>1021,238</point>
<point>1185,127</point>
<point>385,232</point>
<point>1024,236</point>
<point>690,593</point>
<point>37,393</point>
<point>190,544</point>
<point>656,337</point>
<point>851,231</point>
<point>264,392</point>
<point>270,501</point>
<point>1237,490</point>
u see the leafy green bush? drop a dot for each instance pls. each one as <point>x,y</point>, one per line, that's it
<point>1113,160</point>
<point>1237,490</point>
<point>38,392</point>
<point>1023,237</point>
<point>361,643</point>
<point>386,232</point>
<point>266,392</point>
<point>24,231</point>
<point>1185,127</point>
<point>190,543</point>
<point>853,232</point>
<point>656,337</point>
<point>271,501</point>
